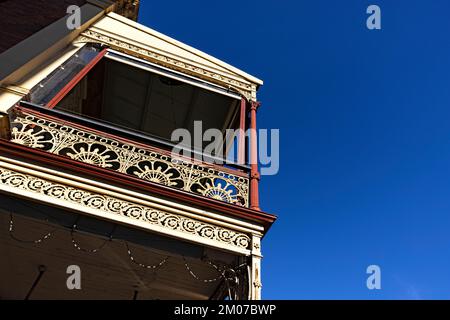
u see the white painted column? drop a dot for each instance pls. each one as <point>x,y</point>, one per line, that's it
<point>255,290</point>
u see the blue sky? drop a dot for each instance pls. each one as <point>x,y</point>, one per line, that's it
<point>364,119</point>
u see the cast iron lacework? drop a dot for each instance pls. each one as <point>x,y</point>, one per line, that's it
<point>89,147</point>
<point>123,208</point>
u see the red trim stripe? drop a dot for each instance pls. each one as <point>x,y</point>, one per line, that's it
<point>241,154</point>
<point>72,83</point>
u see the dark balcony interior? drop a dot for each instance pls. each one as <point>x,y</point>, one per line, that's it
<point>136,99</point>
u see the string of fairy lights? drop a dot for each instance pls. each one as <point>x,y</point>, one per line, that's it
<point>145,266</point>
<point>11,234</point>
<point>226,272</point>
<point>80,248</point>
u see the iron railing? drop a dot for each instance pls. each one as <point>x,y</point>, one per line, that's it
<point>92,146</point>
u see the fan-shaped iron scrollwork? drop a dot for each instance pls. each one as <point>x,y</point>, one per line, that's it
<point>113,154</point>
<point>92,153</point>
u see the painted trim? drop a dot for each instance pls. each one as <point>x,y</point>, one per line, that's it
<point>128,182</point>
<point>75,80</point>
<point>107,205</point>
<point>130,195</point>
<point>254,173</point>
<point>161,70</point>
<point>242,116</point>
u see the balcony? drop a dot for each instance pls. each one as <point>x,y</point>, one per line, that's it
<point>66,135</point>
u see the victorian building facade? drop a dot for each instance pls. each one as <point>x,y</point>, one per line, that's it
<point>88,179</point>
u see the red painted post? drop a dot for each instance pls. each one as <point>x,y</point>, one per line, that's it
<point>241,143</point>
<point>254,174</point>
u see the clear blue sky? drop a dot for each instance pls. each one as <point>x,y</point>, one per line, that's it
<point>364,119</point>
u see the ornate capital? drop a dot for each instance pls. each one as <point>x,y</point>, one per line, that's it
<point>255,175</point>
<point>254,105</point>
<point>257,284</point>
<point>128,8</point>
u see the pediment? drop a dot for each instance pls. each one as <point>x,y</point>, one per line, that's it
<point>128,36</point>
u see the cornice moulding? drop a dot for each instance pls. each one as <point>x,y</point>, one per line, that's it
<point>106,205</point>
<point>129,37</point>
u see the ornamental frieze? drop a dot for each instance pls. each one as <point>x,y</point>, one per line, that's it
<point>130,210</point>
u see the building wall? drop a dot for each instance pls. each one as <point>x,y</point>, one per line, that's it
<point>19,19</point>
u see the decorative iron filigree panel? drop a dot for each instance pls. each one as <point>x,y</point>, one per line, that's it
<point>147,164</point>
<point>133,211</point>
